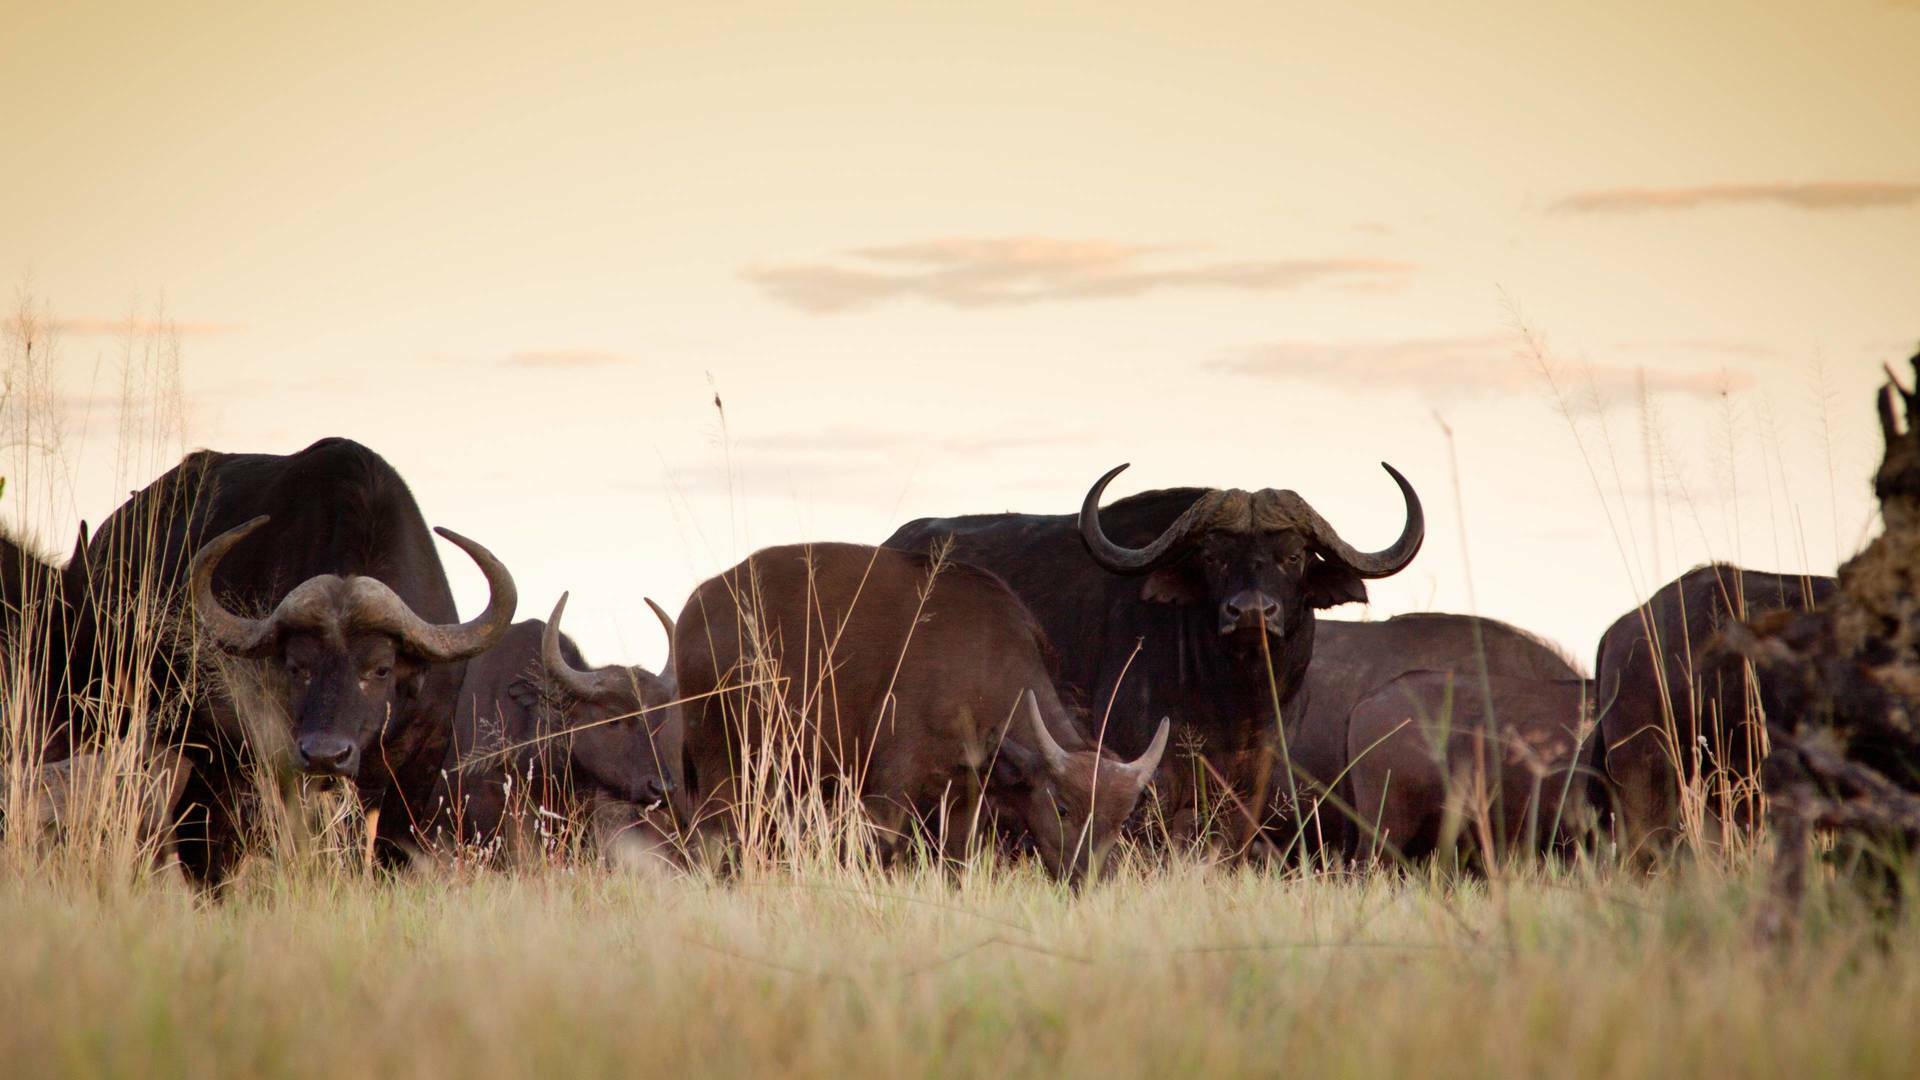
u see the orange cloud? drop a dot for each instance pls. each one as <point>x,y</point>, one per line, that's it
<point>1828,195</point>
<point>1463,366</point>
<point>973,273</point>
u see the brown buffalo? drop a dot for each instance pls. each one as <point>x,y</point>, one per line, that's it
<point>1673,720</point>
<point>1474,760</point>
<point>922,689</point>
<point>1352,660</point>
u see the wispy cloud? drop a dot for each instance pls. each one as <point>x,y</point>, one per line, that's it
<point>840,460</point>
<point>1443,367</point>
<point>851,441</point>
<point>1825,195</point>
<point>1002,272</point>
<point>1716,346</point>
<point>564,358</point>
<point>90,326</point>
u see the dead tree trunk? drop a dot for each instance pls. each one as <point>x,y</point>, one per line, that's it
<point>1841,686</point>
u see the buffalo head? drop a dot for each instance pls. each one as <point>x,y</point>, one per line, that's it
<point>1072,802</point>
<point>612,724</point>
<point>354,653</point>
<point>1263,559</point>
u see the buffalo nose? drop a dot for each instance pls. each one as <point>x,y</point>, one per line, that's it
<point>1249,609</point>
<point>327,755</point>
<point>652,791</point>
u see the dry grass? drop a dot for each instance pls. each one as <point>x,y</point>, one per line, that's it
<point>1174,970</point>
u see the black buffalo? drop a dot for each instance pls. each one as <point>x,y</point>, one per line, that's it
<point>533,716</point>
<point>1195,603</point>
<point>320,565</point>
<point>38,603</point>
<point>1352,660</point>
<point>1670,715</point>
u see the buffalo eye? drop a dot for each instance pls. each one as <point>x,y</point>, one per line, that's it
<point>381,673</point>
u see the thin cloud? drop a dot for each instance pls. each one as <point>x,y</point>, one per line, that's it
<point>973,273</point>
<point>88,326</point>
<point>1717,346</point>
<point>1826,195</point>
<point>1444,367</point>
<point>564,358</point>
<point>852,442</point>
<point>843,459</point>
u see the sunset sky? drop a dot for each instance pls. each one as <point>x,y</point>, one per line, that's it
<point>949,258</point>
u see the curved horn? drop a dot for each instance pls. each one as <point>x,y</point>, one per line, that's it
<point>1050,751</point>
<point>666,621</point>
<point>1389,560</point>
<point>442,643</point>
<point>585,685</point>
<point>236,634</point>
<point>1125,560</point>
<point>1144,766</point>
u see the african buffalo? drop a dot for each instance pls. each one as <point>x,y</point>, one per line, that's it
<point>918,687</point>
<point>38,602</point>
<point>1352,660</point>
<point>1489,762</point>
<point>567,735</point>
<point>25,576</point>
<point>1680,708</point>
<point>1196,603</point>
<point>362,648</point>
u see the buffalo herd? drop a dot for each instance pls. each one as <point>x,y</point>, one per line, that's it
<point>1034,684</point>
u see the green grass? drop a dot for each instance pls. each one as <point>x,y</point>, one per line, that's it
<point>1181,969</point>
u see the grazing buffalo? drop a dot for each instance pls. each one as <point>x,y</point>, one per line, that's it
<point>568,736</point>
<point>1491,763</point>
<point>1352,660</point>
<point>1191,602</point>
<point>921,689</point>
<point>319,566</point>
<point>1663,703</point>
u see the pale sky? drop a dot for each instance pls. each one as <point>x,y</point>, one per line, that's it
<point>957,258</point>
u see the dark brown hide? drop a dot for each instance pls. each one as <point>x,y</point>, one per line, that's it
<point>916,706</point>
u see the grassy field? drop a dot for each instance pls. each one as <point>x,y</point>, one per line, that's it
<point>1172,970</point>
<point>809,965</point>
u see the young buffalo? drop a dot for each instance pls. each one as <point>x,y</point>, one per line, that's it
<point>572,739</point>
<point>1469,758</point>
<point>921,688</point>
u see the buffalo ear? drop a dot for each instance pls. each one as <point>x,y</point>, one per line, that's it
<point>411,677</point>
<point>524,693</point>
<point>1169,586</point>
<point>76,575</point>
<point>1329,584</point>
<point>1013,767</point>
